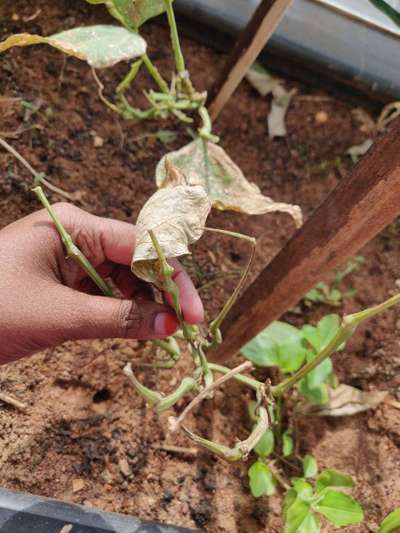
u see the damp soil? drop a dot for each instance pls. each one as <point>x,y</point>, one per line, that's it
<point>86,437</point>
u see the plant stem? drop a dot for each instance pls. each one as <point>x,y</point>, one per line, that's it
<point>179,59</point>
<point>216,323</point>
<point>155,74</point>
<point>72,250</point>
<point>125,83</point>
<point>280,479</point>
<point>346,330</point>
<point>206,129</point>
<point>38,177</point>
<point>246,380</point>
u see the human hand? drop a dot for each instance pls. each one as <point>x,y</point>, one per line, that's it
<point>46,299</point>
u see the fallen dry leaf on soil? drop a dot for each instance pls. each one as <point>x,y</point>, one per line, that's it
<point>177,214</point>
<point>279,106</point>
<point>358,150</point>
<point>345,401</point>
<point>207,164</point>
<point>262,82</point>
<point>266,84</point>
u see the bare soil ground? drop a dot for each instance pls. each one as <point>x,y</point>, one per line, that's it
<point>86,437</point>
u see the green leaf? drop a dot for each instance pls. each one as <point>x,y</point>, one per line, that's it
<point>319,336</point>
<point>297,517</point>
<point>262,350</point>
<point>319,374</point>
<point>101,46</point>
<point>391,523</point>
<point>339,508</point>
<point>310,524</point>
<point>166,136</point>
<point>317,395</point>
<point>327,329</point>
<point>303,489</point>
<point>288,501</point>
<point>287,443</point>
<point>265,446</point>
<point>333,478</point>
<point>310,466</point>
<point>132,13</point>
<point>262,482</point>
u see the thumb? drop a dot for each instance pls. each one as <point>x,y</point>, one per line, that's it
<point>101,317</point>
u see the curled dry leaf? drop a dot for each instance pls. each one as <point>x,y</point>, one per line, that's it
<point>358,150</point>
<point>266,84</point>
<point>279,106</point>
<point>177,214</point>
<point>101,46</point>
<point>345,401</point>
<point>261,80</point>
<point>206,164</point>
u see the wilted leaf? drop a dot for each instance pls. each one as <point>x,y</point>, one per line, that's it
<point>132,13</point>
<point>265,84</point>
<point>339,508</point>
<point>177,214</point>
<point>345,401</point>
<point>355,152</point>
<point>261,80</point>
<point>101,46</point>
<point>391,523</point>
<point>262,482</point>
<point>206,164</point>
<point>279,106</point>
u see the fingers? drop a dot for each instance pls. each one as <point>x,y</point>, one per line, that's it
<point>99,238</point>
<point>101,317</point>
<point>191,304</point>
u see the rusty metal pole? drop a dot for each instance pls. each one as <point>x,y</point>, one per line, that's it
<point>246,50</point>
<point>360,207</point>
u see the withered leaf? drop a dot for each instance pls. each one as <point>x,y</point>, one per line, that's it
<point>101,45</point>
<point>266,84</point>
<point>177,215</point>
<point>346,400</point>
<point>207,164</point>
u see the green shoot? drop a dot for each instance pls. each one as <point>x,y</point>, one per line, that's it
<point>331,294</point>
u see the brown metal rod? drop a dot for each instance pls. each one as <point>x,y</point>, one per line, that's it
<point>359,208</point>
<point>246,50</point>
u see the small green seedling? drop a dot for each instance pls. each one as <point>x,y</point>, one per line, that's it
<point>391,523</point>
<point>331,294</point>
<point>304,497</point>
<point>301,356</point>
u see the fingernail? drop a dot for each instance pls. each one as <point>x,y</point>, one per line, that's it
<point>165,324</point>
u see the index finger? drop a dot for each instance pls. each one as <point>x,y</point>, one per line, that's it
<point>191,304</point>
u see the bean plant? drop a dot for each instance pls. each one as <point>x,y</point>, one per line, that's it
<point>190,182</point>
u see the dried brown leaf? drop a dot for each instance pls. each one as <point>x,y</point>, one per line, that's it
<point>266,84</point>
<point>346,400</point>
<point>261,81</point>
<point>177,214</point>
<point>207,164</point>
